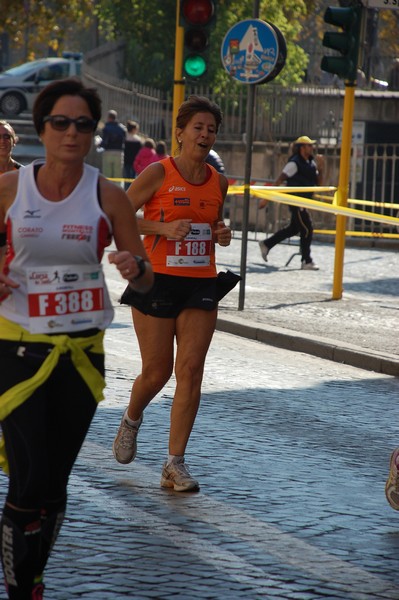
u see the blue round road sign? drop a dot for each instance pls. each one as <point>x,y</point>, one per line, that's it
<point>251,51</point>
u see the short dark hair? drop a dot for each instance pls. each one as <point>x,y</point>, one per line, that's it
<point>130,125</point>
<point>72,86</point>
<point>160,148</point>
<point>149,143</point>
<point>196,104</point>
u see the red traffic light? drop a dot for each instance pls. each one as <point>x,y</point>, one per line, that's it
<point>197,17</point>
<point>197,12</point>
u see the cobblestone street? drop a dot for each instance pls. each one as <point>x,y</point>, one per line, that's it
<point>291,452</point>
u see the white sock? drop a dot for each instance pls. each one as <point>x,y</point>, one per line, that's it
<point>175,458</point>
<point>130,421</point>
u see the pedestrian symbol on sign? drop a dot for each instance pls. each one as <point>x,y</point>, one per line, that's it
<point>253,51</point>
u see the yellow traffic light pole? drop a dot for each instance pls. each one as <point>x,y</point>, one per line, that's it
<point>341,197</point>
<point>347,42</point>
<point>178,83</point>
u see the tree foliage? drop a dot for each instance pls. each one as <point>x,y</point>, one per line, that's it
<point>40,27</point>
<point>37,24</point>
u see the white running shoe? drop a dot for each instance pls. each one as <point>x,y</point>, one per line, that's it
<point>176,475</point>
<point>310,266</point>
<point>124,447</point>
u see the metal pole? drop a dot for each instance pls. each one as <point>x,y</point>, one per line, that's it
<point>342,191</point>
<point>247,177</point>
<point>179,82</point>
<point>247,192</point>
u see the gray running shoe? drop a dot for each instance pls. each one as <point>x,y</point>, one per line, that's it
<point>125,443</point>
<point>264,250</point>
<point>176,475</point>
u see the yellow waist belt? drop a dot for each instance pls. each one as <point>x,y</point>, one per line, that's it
<point>62,344</point>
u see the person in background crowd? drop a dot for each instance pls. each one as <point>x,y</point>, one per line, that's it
<point>133,144</point>
<point>145,156</point>
<point>54,308</point>
<point>183,206</point>
<point>216,161</point>
<point>113,141</point>
<point>160,150</point>
<point>302,169</point>
<point>8,140</point>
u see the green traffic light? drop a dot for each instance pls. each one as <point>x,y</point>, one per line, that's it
<point>194,66</point>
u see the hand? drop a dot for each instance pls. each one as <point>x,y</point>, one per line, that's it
<point>177,230</point>
<point>320,162</point>
<point>6,286</point>
<point>262,203</point>
<point>222,234</point>
<point>126,264</point>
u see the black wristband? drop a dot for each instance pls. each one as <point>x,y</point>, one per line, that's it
<point>3,239</point>
<point>142,267</point>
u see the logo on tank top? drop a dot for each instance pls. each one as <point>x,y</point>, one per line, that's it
<point>79,233</point>
<point>181,201</point>
<point>31,214</point>
<point>177,188</point>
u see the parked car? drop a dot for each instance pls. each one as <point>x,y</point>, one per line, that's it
<point>20,85</point>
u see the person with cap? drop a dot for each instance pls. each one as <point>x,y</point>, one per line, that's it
<point>113,143</point>
<point>302,169</point>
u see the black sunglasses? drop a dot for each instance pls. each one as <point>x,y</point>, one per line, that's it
<point>61,123</point>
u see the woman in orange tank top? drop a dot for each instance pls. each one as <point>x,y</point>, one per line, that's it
<point>183,201</point>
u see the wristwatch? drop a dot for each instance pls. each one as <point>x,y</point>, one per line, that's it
<point>141,265</point>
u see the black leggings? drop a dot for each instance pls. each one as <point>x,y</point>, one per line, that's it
<point>301,223</point>
<point>43,437</point>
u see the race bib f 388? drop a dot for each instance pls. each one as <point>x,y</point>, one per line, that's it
<point>65,298</point>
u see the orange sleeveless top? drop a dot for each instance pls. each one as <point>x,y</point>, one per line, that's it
<point>178,199</point>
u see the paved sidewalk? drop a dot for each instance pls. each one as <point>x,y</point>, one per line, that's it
<point>290,308</point>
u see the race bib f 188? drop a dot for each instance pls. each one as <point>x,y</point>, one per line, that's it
<point>194,250</point>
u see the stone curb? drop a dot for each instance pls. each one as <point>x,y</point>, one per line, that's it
<point>349,354</point>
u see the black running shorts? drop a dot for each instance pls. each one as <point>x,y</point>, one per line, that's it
<point>171,294</point>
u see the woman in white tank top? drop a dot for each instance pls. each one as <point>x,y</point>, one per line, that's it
<point>58,216</point>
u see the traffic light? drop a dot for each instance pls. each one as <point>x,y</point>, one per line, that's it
<point>347,41</point>
<point>197,18</point>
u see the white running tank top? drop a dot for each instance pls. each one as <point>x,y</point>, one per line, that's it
<point>54,252</point>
